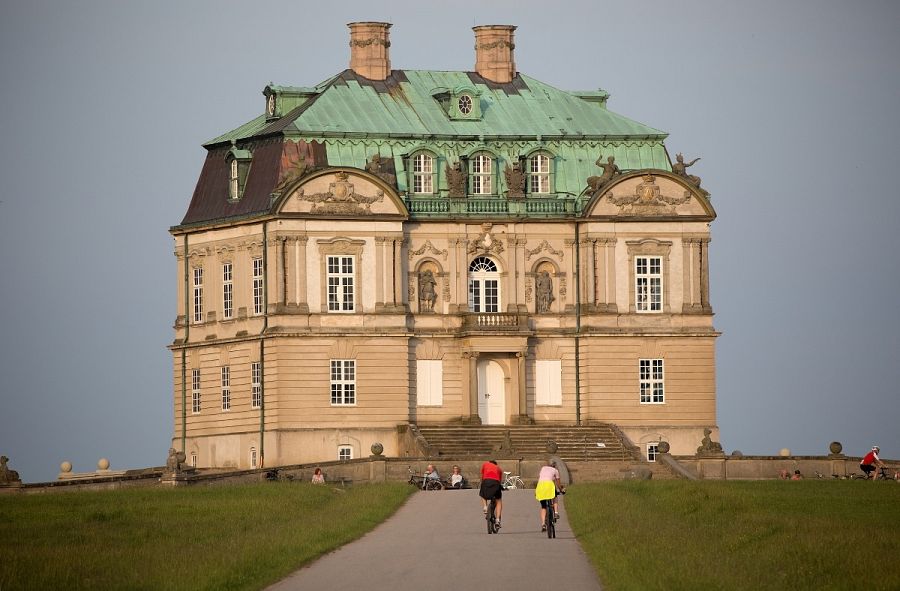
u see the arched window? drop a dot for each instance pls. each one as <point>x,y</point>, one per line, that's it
<point>481,173</point>
<point>484,286</point>
<point>539,173</point>
<point>423,174</point>
<point>254,458</point>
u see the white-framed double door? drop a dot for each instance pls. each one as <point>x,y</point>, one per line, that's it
<point>491,392</point>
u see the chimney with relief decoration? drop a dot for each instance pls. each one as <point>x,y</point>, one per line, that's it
<point>494,52</point>
<point>370,44</point>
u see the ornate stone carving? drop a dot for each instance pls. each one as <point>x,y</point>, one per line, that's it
<point>486,243</point>
<point>708,447</point>
<point>528,290</point>
<point>562,287</point>
<point>544,289</point>
<point>544,245</point>
<point>383,169</point>
<point>341,198</point>
<point>647,199</point>
<point>175,461</point>
<point>8,477</point>
<point>428,247</point>
<point>496,44</point>
<point>610,170</point>
<point>456,180</point>
<point>446,289</point>
<point>368,42</point>
<point>294,166</point>
<point>427,293</point>
<point>515,180</point>
<point>680,168</point>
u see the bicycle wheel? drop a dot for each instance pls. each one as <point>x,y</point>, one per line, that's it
<point>550,523</point>
<point>490,517</point>
<point>434,485</point>
<point>519,482</point>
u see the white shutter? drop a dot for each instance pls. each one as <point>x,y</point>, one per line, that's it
<point>429,382</point>
<point>548,382</point>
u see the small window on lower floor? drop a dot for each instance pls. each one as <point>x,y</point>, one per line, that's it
<point>193,459</point>
<point>345,452</point>
<point>652,451</point>
<point>254,458</point>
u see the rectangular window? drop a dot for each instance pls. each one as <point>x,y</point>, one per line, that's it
<point>340,283</point>
<point>258,286</point>
<point>343,382</point>
<point>234,181</point>
<point>253,458</point>
<point>548,382</point>
<point>226,388</point>
<point>198,295</point>
<point>345,452</point>
<point>651,379</point>
<point>652,451</point>
<point>195,391</point>
<point>482,175</point>
<point>255,384</point>
<point>539,174</point>
<point>429,382</point>
<point>423,174</point>
<point>227,292</point>
<point>193,459</point>
<point>648,284</point>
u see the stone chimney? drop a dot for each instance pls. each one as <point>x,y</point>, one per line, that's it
<point>370,44</point>
<point>494,52</point>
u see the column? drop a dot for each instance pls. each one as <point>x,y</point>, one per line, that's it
<point>588,278</point>
<point>462,276</point>
<point>300,279</point>
<point>573,274</point>
<point>512,277</point>
<point>523,400</point>
<point>611,305</point>
<point>397,271</point>
<point>695,274</point>
<point>704,275</point>
<point>687,291</point>
<point>379,271</point>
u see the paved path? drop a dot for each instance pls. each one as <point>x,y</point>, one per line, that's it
<point>404,553</point>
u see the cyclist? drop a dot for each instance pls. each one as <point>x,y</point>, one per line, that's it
<point>871,461</point>
<point>547,489</point>
<point>490,488</point>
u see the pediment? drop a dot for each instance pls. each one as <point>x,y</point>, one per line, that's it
<point>342,192</point>
<point>650,194</point>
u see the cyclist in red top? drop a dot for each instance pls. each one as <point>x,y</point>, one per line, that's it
<point>490,487</point>
<point>870,461</point>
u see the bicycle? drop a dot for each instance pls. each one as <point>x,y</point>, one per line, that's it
<point>550,517</point>
<point>511,481</point>
<point>880,475</point>
<point>491,519</point>
<point>424,482</point>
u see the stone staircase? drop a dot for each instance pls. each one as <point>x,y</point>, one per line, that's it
<point>575,444</point>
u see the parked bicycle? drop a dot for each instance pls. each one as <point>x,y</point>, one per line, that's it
<point>511,481</point>
<point>423,482</point>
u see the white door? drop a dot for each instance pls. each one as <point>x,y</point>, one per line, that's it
<point>491,393</point>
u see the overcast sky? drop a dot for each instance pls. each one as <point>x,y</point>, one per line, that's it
<point>793,107</point>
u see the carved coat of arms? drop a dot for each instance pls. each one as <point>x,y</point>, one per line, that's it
<point>341,198</point>
<point>648,199</point>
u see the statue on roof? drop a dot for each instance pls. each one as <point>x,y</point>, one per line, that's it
<point>515,180</point>
<point>383,169</point>
<point>610,170</point>
<point>680,168</point>
<point>456,179</point>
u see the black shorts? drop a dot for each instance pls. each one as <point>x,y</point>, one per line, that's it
<point>867,468</point>
<point>490,489</point>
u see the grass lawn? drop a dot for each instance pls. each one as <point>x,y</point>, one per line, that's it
<point>740,535</point>
<point>227,537</point>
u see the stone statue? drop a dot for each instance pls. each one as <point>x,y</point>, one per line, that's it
<point>8,476</point>
<point>456,179</point>
<point>708,446</point>
<point>680,168</point>
<point>610,169</point>
<point>544,292</point>
<point>506,446</point>
<point>515,180</point>
<point>175,461</point>
<point>427,293</point>
<point>383,169</point>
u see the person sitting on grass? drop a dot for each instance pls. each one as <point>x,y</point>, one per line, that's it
<point>318,477</point>
<point>797,475</point>
<point>870,462</point>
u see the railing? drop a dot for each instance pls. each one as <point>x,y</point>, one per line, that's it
<point>487,205</point>
<point>538,206</point>
<point>428,205</point>
<point>489,321</point>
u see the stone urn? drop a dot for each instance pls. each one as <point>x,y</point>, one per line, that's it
<point>836,447</point>
<point>377,449</point>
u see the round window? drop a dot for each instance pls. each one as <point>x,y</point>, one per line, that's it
<point>465,104</point>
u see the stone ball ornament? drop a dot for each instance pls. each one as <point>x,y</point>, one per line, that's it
<point>103,464</point>
<point>663,447</point>
<point>836,447</point>
<point>65,467</point>
<point>785,452</point>
<point>552,447</point>
<point>377,449</point>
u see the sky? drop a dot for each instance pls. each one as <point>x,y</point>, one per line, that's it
<point>792,107</point>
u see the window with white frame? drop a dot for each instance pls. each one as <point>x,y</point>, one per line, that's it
<point>548,382</point>
<point>227,291</point>
<point>423,174</point>
<point>429,382</point>
<point>234,186</point>
<point>258,303</point>
<point>484,286</point>
<point>481,172</point>
<point>539,173</point>
<point>198,295</point>
<point>651,379</point>
<point>193,459</point>
<point>343,382</point>
<point>195,391</point>
<point>345,452</point>
<point>340,283</point>
<point>254,458</point>
<point>652,451</point>
<point>648,283</point>
<point>226,387</point>
<point>255,384</point>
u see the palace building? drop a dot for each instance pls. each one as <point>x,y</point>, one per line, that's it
<point>413,247</point>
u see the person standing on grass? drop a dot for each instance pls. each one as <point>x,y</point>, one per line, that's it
<point>490,487</point>
<point>546,491</point>
<point>871,461</point>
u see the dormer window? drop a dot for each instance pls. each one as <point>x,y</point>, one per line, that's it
<point>234,187</point>
<point>270,105</point>
<point>464,104</point>
<point>481,174</point>
<point>423,174</point>
<point>539,173</point>
<point>238,167</point>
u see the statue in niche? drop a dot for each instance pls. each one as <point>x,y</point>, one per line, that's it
<point>515,180</point>
<point>8,476</point>
<point>456,179</point>
<point>680,168</point>
<point>383,169</point>
<point>708,446</point>
<point>544,292</point>
<point>427,293</point>
<point>610,169</point>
